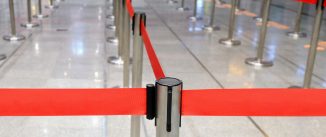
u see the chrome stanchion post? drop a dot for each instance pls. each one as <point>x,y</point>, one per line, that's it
<point>259,18</point>
<point>313,44</point>
<point>116,26</point>
<point>194,17</point>
<point>259,61</point>
<point>13,36</point>
<point>182,7</point>
<point>168,107</point>
<point>137,66</point>
<point>296,34</point>
<point>230,41</point>
<point>40,14</point>
<point>126,46</point>
<point>211,27</point>
<point>117,60</point>
<point>30,23</point>
<point>52,5</point>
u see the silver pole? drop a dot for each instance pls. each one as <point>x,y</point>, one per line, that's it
<point>259,18</point>
<point>296,34</point>
<point>259,61</point>
<point>117,60</point>
<point>116,10</point>
<point>168,107</point>
<point>313,45</point>
<point>40,15</point>
<point>137,68</point>
<point>29,23</point>
<point>194,16</point>
<point>126,46</point>
<point>230,41</point>
<point>182,7</point>
<point>211,27</point>
<point>13,36</point>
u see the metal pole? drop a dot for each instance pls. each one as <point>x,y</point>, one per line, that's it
<point>114,39</point>
<point>296,34</point>
<point>259,61</point>
<point>259,18</point>
<point>137,67</point>
<point>229,41</point>
<point>211,27</point>
<point>168,118</point>
<point>29,23</point>
<point>40,14</point>
<point>313,44</point>
<point>117,60</point>
<point>194,17</point>
<point>126,46</point>
<point>182,7</point>
<point>13,36</point>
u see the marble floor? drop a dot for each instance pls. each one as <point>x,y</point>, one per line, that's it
<point>69,50</point>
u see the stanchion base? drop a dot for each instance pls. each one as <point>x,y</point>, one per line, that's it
<point>110,17</point>
<point>296,35</point>
<point>219,2</point>
<point>230,42</point>
<point>194,19</point>
<point>30,25</point>
<point>112,40</point>
<point>3,56</point>
<point>172,2</point>
<point>240,10</point>
<point>295,87</point>
<point>183,9</point>
<point>52,7</point>
<point>117,60</point>
<point>258,62</point>
<point>41,16</point>
<point>14,38</point>
<point>211,28</point>
<point>258,19</point>
<point>111,27</point>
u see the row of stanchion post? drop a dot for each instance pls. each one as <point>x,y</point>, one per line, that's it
<point>263,18</point>
<point>14,35</point>
<point>168,114</point>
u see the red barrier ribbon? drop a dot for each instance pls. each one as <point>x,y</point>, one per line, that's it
<point>67,102</point>
<point>308,1</point>
<point>130,8</point>
<point>156,66</point>
<point>254,102</point>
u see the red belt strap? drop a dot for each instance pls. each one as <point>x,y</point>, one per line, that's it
<point>65,102</point>
<point>156,66</point>
<point>254,102</point>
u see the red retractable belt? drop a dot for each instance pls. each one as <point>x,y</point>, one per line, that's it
<point>156,66</point>
<point>308,1</point>
<point>254,102</point>
<point>130,8</point>
<point>63,102</point>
